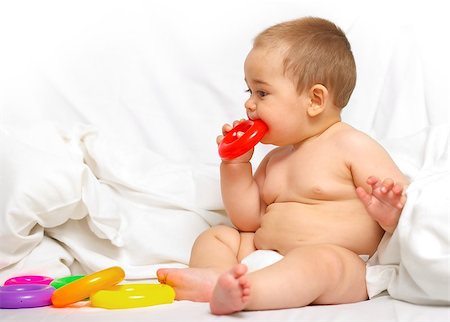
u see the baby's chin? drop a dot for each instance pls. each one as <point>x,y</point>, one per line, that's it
<point>267,141</point>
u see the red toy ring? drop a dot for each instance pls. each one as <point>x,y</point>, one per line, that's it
<point>231,146</point>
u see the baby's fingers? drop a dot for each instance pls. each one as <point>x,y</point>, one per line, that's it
<point>372,181</point>
<point>239,134</point>
<point>226,128</point>
<point>219,139</point>
<point>401,203</point>
<point>237,122</point>
<point>397,189</point>
<point>387,185</point>
<point>363,196</point>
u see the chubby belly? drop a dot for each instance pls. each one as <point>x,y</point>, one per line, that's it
<point>288,225</point>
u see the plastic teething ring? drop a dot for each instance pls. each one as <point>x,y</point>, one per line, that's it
<point>16,296</point>
<point>29,279</point>
<point>133,295</point>
<point>85,286</point>
<point>231,146</point>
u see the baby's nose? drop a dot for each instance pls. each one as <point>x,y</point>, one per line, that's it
<point>250,105</point>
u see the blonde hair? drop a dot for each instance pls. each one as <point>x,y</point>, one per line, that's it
<point>316,51</point>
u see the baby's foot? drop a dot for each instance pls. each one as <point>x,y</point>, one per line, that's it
<point>232,291</point>
<point>385,203</point>
<point>194,284</point>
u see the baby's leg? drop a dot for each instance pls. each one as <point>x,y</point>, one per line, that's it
<point>221,247</point>
<point>319,274</point>
<point>247,245</point>
<point>214,252</point>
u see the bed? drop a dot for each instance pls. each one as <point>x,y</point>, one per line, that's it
<point>108,116</point>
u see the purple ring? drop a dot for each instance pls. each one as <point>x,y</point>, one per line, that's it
<point>25,295</point>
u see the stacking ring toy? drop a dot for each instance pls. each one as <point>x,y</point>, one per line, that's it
<point>133,295</point>
<point>16,296</point>
<point>82,288</point>
<point>29,279</point>
<point>60,282</point>
<point>231,146</point>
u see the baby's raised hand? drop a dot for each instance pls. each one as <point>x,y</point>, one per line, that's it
<point>384,203</point>
<point>227,128</point>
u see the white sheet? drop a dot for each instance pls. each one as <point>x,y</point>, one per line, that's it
<point>103,202</point>
<point>383,309</point>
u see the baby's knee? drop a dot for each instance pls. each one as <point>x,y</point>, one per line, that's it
<point>223,233</point>
<point>345,272</point>
<point>341,270</point>
<point>331,259</point>
<point>223,230</point>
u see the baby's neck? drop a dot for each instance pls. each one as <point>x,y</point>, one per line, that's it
<point>316,130</point>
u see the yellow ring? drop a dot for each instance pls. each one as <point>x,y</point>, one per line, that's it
<point>85,286</point>
<point>133,295</point>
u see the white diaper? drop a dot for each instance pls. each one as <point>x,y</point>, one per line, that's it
<point>262,258</point>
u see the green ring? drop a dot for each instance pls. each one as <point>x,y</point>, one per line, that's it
<point>60,282</point>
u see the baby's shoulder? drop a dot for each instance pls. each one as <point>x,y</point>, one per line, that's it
<point>349,137</point>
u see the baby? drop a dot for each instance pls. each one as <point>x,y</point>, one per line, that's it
<point>336,188</point>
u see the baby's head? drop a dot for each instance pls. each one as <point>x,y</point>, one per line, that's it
<point>315,51</point>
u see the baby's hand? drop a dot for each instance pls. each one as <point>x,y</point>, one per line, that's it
<point>384,203</point>
<point>227,128</point>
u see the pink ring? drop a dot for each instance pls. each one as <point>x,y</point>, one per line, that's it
<point>29,279</point>
<point>231,146</point>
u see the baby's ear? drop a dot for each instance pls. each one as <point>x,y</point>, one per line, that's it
<point>318,97</point>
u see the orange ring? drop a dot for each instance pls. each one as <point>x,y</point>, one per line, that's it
<point>85,286</point>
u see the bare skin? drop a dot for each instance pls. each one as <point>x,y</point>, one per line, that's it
<point>195,284</point>
<point>384,203</point>
<point>232,291</point>
<point>317,199</point>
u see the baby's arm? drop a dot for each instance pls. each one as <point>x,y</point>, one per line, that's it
<point>240,191</point>
<point>380,184</point>
<point>384,203</point>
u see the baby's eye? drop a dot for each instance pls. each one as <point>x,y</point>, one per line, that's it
<point>248,90</point>
<point>261,93</point>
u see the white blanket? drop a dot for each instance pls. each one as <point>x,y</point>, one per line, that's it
<point>414,263</point>
<point>80,199</point>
